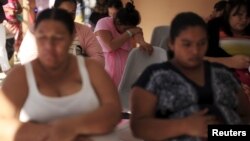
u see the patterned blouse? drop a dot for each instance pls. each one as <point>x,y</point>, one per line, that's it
<point>179,96</point>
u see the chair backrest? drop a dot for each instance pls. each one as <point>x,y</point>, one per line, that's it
<point>160,36</point>
<point>137,62</point>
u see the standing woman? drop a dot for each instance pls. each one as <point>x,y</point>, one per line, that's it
<point>115,34</point>
<point>58,96</point>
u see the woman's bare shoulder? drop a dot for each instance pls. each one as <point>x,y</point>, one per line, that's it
<point>15,80</point>
<point>92,64</point>
<point>14,86</point>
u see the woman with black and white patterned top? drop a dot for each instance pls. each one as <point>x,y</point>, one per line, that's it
<point>176,100</point>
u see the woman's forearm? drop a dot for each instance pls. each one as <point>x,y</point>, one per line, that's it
<point>157,129</point>
<point>139,38</point>
<point>98,122</point>
<point>119,41</point>
<point>222,60</point>
<point>13,130</point>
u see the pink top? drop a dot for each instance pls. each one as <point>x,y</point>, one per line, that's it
<point>89,42</point>
<point>115,61</point>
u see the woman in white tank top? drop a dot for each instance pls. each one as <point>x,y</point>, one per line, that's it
<point>57,97</point>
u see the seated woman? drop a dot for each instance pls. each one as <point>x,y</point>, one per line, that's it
<point>58,96</point>
<point>234,24</point>
<point>116,38</point>
<point>176,100</point>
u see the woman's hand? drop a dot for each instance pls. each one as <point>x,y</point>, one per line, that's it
<point>246,90</point>
<point>239,62</point>
<point>147,48</point>
<point>61,131</point>
<point>135,30</point>
<point>197,123</point>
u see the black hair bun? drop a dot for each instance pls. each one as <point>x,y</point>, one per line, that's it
<point>130,6</point>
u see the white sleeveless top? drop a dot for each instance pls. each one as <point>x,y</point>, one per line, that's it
<point>41,108</point>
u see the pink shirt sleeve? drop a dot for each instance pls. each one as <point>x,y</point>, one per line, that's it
<point>89,42</point>
<point>108,25</point>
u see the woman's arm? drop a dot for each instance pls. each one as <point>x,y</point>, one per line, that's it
<point>116,42</point>
<point>105,118</point>
<point>244,107</point>
<point>110,41</point>
<point>146,126</point>
<point>12,97</point>
<point>89,43</point>
<point>143,44</point>
<point>235,62</point>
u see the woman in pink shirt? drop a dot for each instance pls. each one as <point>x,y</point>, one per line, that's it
<point>116,36</point>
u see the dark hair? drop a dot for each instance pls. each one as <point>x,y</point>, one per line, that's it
<point>181,22</point>
<point>184,20</point>
<point>101,7</point>
<point>128,15</point>
<point>57,15</point>
<point>232,4</point>
<point>220,5</point>
<point>115,3</point>
<point>59,2</point>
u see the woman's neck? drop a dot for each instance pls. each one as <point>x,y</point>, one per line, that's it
<point>237,33</point>
<point>57,72</point>
<point>187,70</point>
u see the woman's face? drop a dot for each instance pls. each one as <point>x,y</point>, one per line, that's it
<point>112,11</point>
<point>69,7</point>
<point>240,20</point>
<point>190,46</point>
<point>53,41</point>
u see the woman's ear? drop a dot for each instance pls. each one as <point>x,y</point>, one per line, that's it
<point>170,45</point>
